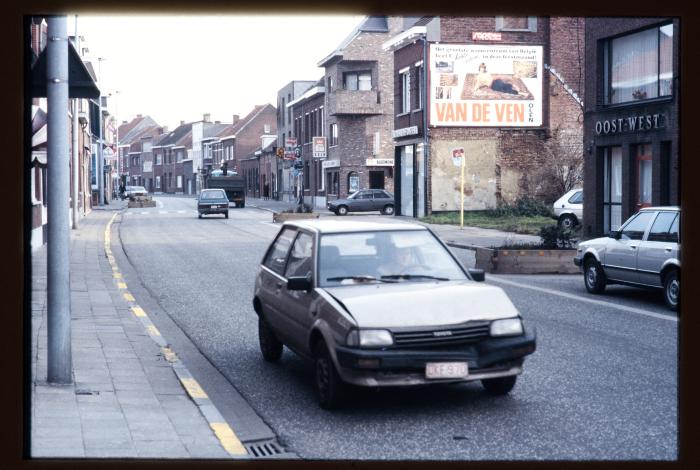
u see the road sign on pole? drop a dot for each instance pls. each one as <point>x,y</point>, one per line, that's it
<point>319,147</point>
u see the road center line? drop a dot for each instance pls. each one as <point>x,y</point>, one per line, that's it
<point>584,299</point>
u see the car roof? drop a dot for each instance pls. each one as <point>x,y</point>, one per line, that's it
<point>661,208</point>
<point>343,226</point>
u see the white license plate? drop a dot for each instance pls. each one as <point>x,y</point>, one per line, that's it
<point>446,370</point>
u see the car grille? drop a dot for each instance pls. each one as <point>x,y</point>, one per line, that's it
<point>460,334</point>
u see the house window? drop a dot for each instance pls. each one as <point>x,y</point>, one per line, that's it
<point>333,134</point>
<point>357,81</point>
<point>419,94</point>
<point>330,84</point>
<point>159,159</point>
<point>405,80</point>
<point>639,66</point>
<point>179,181</point>
<point>643,159</point>
<point>157,182</point>
<point>516,23</point>
<point>612,188</point>
<point>283,121</point>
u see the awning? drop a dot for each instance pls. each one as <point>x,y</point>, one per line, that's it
<point>80,83</point>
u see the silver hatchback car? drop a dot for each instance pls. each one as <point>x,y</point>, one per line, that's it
<point>384,304</point>
<point>644,252</point>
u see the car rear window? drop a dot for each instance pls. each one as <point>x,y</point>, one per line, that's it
<point>213,194</point>
<point>661,229</point>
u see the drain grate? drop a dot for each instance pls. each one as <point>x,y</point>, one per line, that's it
<point>264,449</point>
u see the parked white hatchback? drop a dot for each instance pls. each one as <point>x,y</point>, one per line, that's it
<point>644,252</point>
<point>568,209</point>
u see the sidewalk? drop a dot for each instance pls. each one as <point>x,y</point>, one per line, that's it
<point>451,234</point>
<point>127,398</point>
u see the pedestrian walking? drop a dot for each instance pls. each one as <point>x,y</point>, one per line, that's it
<point>266,191</point>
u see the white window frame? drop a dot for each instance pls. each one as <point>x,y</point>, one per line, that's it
<point>157,182</point>
<point>405,82</point>
<point>179,181</point>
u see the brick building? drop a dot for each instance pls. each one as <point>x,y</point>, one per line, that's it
<point>359,109</point>
<point>632,119</point>
<point>506,133</point>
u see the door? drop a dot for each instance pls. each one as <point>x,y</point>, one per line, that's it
<point>273,283</point>
<point>660,245</point>
<point>407,190</point>
<point>363,201</point>
<point>295,305</point>
<point>376,179</point>
<point>643,172</point>
<point>381,199</point>
<point>621,255</point>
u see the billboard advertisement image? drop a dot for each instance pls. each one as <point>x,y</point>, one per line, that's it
<point>485,85</point>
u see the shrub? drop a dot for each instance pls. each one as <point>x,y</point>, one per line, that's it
<point>525,206</point>
<point>554,236</point>
<point>305,208</point>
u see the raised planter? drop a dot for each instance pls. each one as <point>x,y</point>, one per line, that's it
<point>141,201</point>
<point>279,217</point>
<point>538,261</point>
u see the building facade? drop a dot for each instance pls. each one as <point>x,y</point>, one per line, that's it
<point>501,96</point>
<point>631,135</point>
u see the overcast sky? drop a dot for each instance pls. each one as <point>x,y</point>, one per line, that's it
<point>178,67</point>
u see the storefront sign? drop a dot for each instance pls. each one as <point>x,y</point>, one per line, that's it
<point>645,122</point>
<point>330,164</point>
<point>379,162</point>
<point>291,142</point>
<point>475,85</point>
<point>413,130</point>
<point>479,36</point>
<point>319,147</point>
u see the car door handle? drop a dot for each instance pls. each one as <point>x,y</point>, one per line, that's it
<point>634,247</point>
<point>669,249</point>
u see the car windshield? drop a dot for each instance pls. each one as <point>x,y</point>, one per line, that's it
<point>384,256</point>
<point>213,194</point>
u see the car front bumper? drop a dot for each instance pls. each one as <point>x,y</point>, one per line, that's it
<point>489,358</point>
<point>578,261</point>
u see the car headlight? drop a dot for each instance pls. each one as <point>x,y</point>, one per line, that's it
<point>369,338</point>
<point>507,327</point>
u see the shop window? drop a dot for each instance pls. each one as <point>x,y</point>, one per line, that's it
<point>639,66</point>
<point>644,177</point>
<point>612,188</point>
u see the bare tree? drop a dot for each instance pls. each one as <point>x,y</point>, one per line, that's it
<point>563,166</point>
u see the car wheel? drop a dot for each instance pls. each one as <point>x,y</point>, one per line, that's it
<point>199,216</point>
<point>242,205</point>
<point>593,276</point>
<point>500,385</point>
<point>270,346</point>
<point>329,386</point>
<point>226,215</point>
<point>672,289</point>
<point>388,209</point>
<point>567,221</point>
<point>342,210</point>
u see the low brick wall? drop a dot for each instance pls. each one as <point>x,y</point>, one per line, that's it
<point>279,217</point>
<point>500,261</point>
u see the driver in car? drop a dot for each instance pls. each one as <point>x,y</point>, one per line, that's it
<point>396,261</point>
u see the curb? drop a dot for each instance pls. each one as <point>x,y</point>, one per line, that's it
<point>223,432</point>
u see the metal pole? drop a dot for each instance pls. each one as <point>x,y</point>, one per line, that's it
<point>100,157</point>
<point>76,162</point>
<point>58,247</point>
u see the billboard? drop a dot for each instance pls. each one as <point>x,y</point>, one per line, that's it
<point>485,85</point>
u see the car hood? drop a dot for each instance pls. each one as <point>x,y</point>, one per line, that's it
<point>408,304</point>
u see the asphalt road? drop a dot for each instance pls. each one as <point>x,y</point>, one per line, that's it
<point>602,384</point>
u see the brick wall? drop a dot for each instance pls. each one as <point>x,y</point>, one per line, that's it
<point>248,138</point>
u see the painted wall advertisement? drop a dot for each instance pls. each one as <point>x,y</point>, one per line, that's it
<point>485,85</point>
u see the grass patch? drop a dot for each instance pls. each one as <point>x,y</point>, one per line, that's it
<point>529,225</point>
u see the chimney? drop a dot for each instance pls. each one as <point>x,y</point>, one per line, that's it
<point>206,117</point>
<point>139,116</point>
<point>235,118</point>
<point>163,130</point>
<point>125,122</point>
<point>182,123</point>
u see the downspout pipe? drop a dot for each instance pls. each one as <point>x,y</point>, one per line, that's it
<point>426,110</point>
<point>59,363</point>
<point>76,161</point>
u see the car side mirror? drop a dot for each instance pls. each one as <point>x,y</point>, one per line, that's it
<point>477,275</point>
<point>616,234</point>
<point>299,283</point>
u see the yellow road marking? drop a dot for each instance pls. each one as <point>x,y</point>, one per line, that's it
<point>153,330</point>
<point>193,388</point>
<point>228,438</point>
<point>170,356</point>
<point>128,297</point>
<point>138,311</point>
<point>121,285</point>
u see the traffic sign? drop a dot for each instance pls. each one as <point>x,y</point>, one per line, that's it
<point>297,151</point>
<point>280,152</point>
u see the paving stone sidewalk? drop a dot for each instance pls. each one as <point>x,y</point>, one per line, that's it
<point>125,400</point>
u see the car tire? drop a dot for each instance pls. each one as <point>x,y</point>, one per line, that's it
<point>329,386</point>
<point>270,346</point>
<point>593,276</point>
<point>672,289</point>
<point>568,221</point>
<point>500,385</point>
<point>199,216</point>
<point>342,210</point>
<point>388,209</point>
<point>226,215</point>
<point>242,205</point>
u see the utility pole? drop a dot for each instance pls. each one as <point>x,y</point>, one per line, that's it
<point>100,157</point>
<point>58,246</point>
<point>76,163</point>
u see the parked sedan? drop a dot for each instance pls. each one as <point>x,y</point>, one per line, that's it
<point>644,252</point>
<point>364,201</point>
<point>212,201</point>
<point>134,191</point>
<point>378,304</point>
<point>568,209</point>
